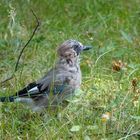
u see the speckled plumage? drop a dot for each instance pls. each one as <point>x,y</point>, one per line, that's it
<point>58,84</point>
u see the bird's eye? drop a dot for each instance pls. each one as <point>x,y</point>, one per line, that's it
<point>75,47</point>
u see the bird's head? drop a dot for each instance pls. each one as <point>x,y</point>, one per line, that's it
<point>71,49</point>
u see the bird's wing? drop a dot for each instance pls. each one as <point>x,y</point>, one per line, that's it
<point>54,83</point>
<point>30,90</point>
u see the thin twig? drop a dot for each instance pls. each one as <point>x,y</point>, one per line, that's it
<point>7,79</point>
<point>38,23</point>
<point>17,63</point>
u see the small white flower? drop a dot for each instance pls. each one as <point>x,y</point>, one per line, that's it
<point>105,117</point>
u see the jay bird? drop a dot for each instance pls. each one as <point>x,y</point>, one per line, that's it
<point>58,84</point>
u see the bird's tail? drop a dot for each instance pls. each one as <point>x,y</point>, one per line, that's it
<point>7,99</point>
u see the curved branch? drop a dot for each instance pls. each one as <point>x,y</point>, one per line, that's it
<point>38,23</point>
<point>17,63</point>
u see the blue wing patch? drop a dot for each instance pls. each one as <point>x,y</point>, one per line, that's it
<point>58,89</point>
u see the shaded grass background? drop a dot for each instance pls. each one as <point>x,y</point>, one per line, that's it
<point>112,28</point>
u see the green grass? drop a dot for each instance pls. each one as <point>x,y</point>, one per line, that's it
<point>112,28</point>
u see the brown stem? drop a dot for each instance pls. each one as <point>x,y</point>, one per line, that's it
<point>21,52</point>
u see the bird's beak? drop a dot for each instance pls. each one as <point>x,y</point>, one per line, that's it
<point>85,48</point>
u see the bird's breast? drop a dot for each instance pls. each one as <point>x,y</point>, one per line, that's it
<point>74,79</point>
